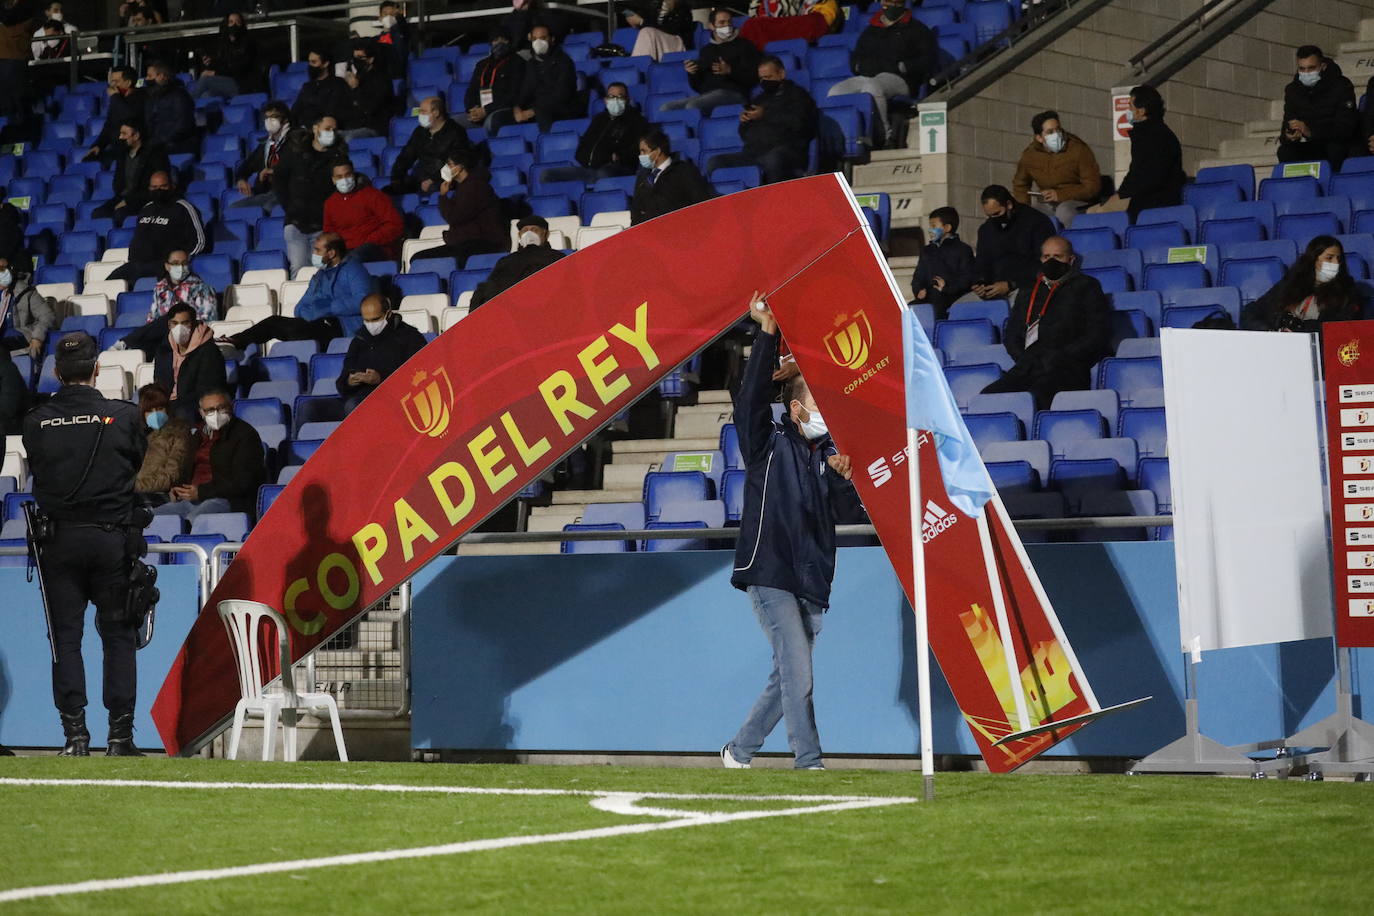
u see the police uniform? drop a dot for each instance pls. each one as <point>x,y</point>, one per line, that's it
<point>80,434</point>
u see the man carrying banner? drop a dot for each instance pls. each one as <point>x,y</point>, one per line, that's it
<point>796,485</point>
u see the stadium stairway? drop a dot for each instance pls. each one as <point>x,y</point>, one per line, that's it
<point>897,173</point>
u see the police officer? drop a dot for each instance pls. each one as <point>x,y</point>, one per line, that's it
<point>84,451</point>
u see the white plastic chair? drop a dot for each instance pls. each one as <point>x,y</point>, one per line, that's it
<point>588,235</point>
<point>411,247</point>
<point>243,620</point>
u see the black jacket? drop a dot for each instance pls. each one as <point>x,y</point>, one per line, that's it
<point>1012,253</point>
<point>238,60</point>
<point>503,76</point>
<point>12,246</point>
<point>792,498</point>
<point>166,227</point>
<point>743,59</point>
<point>120,108</point>
<point>1264,313</point>
<point>385,352</point>
<point>950,258</point>
<point>474,212</point>
<point>59,451</point>
<point>201,371</point>
<point>132,173</point>
<point>171,118</point>
<point>513,268</point>
<point>1156,176</point>
<point>680,185</point>
<point>550,85</point>
<point>14,395</point>
<point>613,141</point>
<point>258,160</point>
<point>236,465</point>
<point>1327,108</point>
<point>1074,330</point>
<point>906,48</point>
<point>789,120</point>
<point>318,98</point>
<point>428,152</point>
<point>304,179</point>
<point>371,104</point>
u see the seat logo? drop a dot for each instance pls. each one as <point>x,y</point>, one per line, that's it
<point>1349,353</point>
<point>429,403</point>
<point>848,344</point>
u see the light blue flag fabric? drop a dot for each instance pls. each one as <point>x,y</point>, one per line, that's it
<point>930,405</point>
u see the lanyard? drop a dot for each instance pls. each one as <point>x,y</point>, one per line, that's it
<point>489,75</point>
<point>1044,308</point>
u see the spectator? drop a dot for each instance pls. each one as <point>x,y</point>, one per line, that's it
<point>167,463</point>
<point>14,396</point>
<point>609,147</point>
<point>779,20</point>
<point>525,15</point>
<point>475,215</point>
<point>549,91</point>
<point>324,94</point>
<point>177,285</point>
<point>426,152</point>
<point>725,72</point>
<point>232,67</point>
<point>394,40</point>
<point>380,347</point>
<point>1320,121</point>
<point>665,182</point>
<point>665,26</point>
<point>133,170</point>
<point>496,83</point>
<point>227,467</point>
<point>43,40</point>
<point>1060,326</point>
<point>1318,288</point>
<point>335,291</point>
<point>365,217</point>
<point>187,363</point>
<point>125,106</point>
<point>1156,175</point>
<point>945,271</point>
<point>261,164</point>
<point>1009,245</point>
<point>170,112</point>
<point>533,255</point>
<point>1366,144</point>
<point>370,99</point>
<point>26,315</point>
<point>167,222</point>
<point>12,247</point>
<point>777,127</point>
<point>18,21</point>
<point>894,56</point>
<point>304,179</point>
<point>1062,166</point>
<point>56,47</point>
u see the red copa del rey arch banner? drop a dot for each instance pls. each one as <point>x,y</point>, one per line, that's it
<point>507,392</point>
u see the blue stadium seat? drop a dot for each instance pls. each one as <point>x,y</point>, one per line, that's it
<point>1076,479</point>
<point>629,516</point>
<point>315,408</point>
<point>1357,164</point>
<point>298,451</point>
<point>711,463</point>
<point>1184,215</point>
<point>267,494</point>
<point>269,259</point>
<point>272,435</point>
<point>1120,449</point>
<point>1112,279</point>
<point>1302,227</point>
<point>673,486</point>
<point>1361,244</point>
<point>299,350</point>
<point>233,526</point>
<point>732,493</point>
<point>325,366</point>
<point>729,447</point>
<point>1058,427</point>
<point>1013,477</point>
<point>1117,222</point>
<point>1105,402</point>
<point>1222,232</point>
<point>1285,250</point>
<point>260,411</point>
<point>994,310</point>
<point>1091,239</point>
<point>1127,376</point>
<point>166,527</point>
<point>1020,403</point>
<point>1035,452</point>
<point>1147,301</point>
<point>1318,169</point>
<point>205,542</point>
<point>1128,259</point>
<point>319,429</point>
<point>989,18</point>
<point>284,391</point>
<point>1252,276</point>
<point>1212,198</point>
<point>719,133</point>
<point>1147,427</point>
<point>1153,475</point>
<point>1034,505</point>
<point>1242,176</point>
<point>980,353</point>
<point>968,381</point>
<point>216,270</point>
<point>617,546</point>
<point>660,545</point>
<point>1284,192</point>
<point>710,512</point>
<point>1358,188</point>
<point>951,334</point>
<point>1226,298</point>
<point>279,368</point>
<point>1120,503</point>
<point>1166,279</point>
<point>986,428</point>
<point>416,284</point>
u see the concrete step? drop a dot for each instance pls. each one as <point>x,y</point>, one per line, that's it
<point>1249,149</point>
<point>554,522</point>
<point>1276,109</point>
<point>582,497</point>
<point>1262,165</point>
<point>703,424</point>
<point>1366,30</point>
<point>903,265</point>
<point>903,200</point>
<point>660,446</point>
<point>1358,67</point>
<point>889,169</point>
<point>1262,130</point>
<point>627,475</point>
<point>715,396</point>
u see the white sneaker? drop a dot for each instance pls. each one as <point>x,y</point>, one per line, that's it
<point>816,767</point>
<point>729,761</point>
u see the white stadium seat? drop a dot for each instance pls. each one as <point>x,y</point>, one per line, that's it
<point>272,277</point>
<point>115,255</point>
<point>122,360</point>
<point>589,235</point>
<point>418,319</point>
<point>90,304</point>
<point>144,375</point>
<point>16,466</point>
<point>252,294</point>
<point>58,291</point>
<point>289,294</point>
<point>451,317</point>
<point>110,289</point>
<point>619,218</point>
<point>98,271</point>
<point>433,303</point>
<point>249,314</point>
<point>411,247</point>
<point>15,444</point>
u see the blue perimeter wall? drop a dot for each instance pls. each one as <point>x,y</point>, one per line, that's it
<point>657,653</point>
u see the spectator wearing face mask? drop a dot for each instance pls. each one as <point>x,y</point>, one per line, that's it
<point>380,347</point>
<point>43,41</point>
<point>725,72</point>
<point>26,315</point>
<point>167,463</point>
<point>323,94</point>
<point>435,137</point>
<point>125,106</point>
<point>303,180</point>
<point>232,66</point>
<point>393,41</point>
<point>1156,176</point>
<point>1318,288</point>
<point>610,145</point>
<point>187,363</point>
<point>665,27</point>
<point>370,98</point>
<point>1062,166</point>
<point>894,56</point>
<point>1320,120</point>
<point>254,175</point>
<point>167,222</point>
<point>365,217</point>
<point>476,218</point>
<point>1008,244</point>
<point>525,15</point>
<point>945,271</point>
<point>777,127</point>
<point>549,91</point>
<point>495,87</point>
<point>1060,326</point>
<point>665,182</point>
<point>170,112</point>
<point>136,162</point>
<point>227,464</point>
<point>178,285</point>
<point>533,255</point>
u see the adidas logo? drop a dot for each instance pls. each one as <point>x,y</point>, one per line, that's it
<point>936,521</point>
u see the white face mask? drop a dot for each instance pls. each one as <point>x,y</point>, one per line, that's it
<point>615,107</point>
<point>388,21</point>
<point>425,120</point>
<point>446,173</point>
<point>345,185</point>
<point>215,420</point>
<point>813,427</point>
<point>181,333</point>
<point>540,46</point>
<point>529,237</point>
<point>1054,142</point>
<point>725,32</point>
<point>645,161</point>
<point>375,327</point>
<point>55,17</point>
<point>1327,270</point>
<point>177,272</point>
<point>6,279</point>
<point>1310,79</point>
<point>326,138</point>
<point>316,259</point>
<point>273,125</point>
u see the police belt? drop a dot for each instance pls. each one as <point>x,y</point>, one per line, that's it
<point>63,521</point>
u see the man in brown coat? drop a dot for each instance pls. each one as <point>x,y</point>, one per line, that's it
<point>1062,166</point>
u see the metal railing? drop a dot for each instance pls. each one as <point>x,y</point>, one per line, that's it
<point>1188,39</point>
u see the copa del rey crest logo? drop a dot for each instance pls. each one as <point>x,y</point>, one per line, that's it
<point>429,403</point>
<point>1349,353</point>
<point>849,343</point>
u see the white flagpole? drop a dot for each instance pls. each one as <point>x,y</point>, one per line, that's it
<point>918,595</point>
<point>999,605</point>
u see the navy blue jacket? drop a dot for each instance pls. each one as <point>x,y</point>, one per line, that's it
<point>791,496</point>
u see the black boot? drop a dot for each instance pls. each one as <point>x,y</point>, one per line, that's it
<point>121,740</point>
<point>78,739</point>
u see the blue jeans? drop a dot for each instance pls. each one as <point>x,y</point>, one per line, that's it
<point>299,247</point>
<point>706,102</point>
<point>193,510</point>
<point>791,625</point>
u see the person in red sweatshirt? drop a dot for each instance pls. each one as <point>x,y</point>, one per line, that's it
<point>365,217</point>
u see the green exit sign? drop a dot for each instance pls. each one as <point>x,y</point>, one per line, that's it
<point>932,119</point>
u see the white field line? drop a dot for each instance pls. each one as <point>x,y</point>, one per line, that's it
<point>618,802</point>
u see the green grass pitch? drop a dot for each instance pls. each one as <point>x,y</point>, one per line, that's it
<point>988,844</point>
